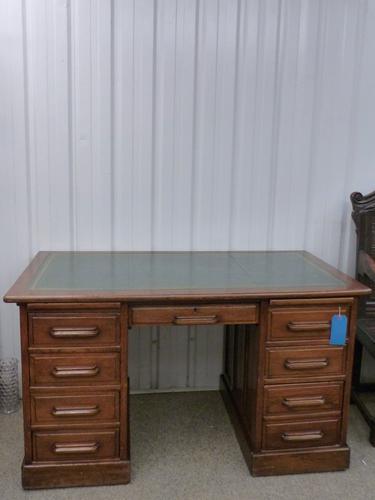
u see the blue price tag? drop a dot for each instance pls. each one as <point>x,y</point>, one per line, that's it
<point>339,325</point>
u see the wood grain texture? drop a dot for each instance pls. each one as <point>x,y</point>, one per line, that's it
<point>64,410</point>
<point>25,384</point>
<point>310,324</point>
<point>77,387</point>
<point>195,315</point>
<point>41,476</point>
<point>306,434</point>
<point>66,330</point>
<point>302,399</point>
<point>300,462</point>
<point>301,396</point>
<point>68,446</point>
<point>304,362</point>
<point>74,369</point>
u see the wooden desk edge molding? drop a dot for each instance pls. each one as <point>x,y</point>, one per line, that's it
<point>285,387</point>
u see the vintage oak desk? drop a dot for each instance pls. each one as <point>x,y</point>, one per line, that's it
<point>286,388</point>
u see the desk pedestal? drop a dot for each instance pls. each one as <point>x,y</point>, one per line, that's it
<point>270,463</point>
<point>287,389</point>
<point>75,474</point>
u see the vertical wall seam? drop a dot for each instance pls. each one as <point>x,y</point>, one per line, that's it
<point>188,367</point>
<point>70,127</point>
<point>93,43</point>
<point>293,127</point>
<point>132,133</point>
<point>153,131</point>
<point>27,127</point>
<point>194,329</point>
<point>255,146</point>
<point>112,126</point>
<point>234,154</point>
<point>47,49</point>
<point>194,128</point>
<point>214,127</point>
<point>314,118</point>
<point>157,360</point>
<point>173,173</point>
<point>275,134</point>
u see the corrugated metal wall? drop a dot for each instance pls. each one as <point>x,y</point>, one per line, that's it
<point>182,124</point>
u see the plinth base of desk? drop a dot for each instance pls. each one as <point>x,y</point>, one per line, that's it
<point>273,463</point>
<point>35,476</point>
<point>299,462</point>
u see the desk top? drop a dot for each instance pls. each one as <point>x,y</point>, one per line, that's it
<point>90,276</point>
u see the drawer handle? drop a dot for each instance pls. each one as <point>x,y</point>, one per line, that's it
<point>302,436</point>
<point>308,326</point>
<point>75,371</point>
<point>305,364</point>
<point>77,448</point>
<point>74,333</point>
<point>304,402</point>
<point>195,320</point>
<point>75,411</point>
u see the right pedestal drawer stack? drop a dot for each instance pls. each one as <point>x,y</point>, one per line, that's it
<point>304,376</point>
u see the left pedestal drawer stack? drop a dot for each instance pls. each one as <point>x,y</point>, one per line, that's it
<point>75,394</point>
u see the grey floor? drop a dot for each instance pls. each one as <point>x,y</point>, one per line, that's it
<point>183,447</point>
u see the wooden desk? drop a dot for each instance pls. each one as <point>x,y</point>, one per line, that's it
<point>286,388</point>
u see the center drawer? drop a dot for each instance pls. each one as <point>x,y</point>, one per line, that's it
<point>74,369</point>
<point>77,446</point>
<point>304,362</point>
<point>195,315</point>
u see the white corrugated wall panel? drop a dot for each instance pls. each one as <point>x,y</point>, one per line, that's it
<point>178,125</point>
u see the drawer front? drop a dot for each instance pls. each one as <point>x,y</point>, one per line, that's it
<point>74,409</point>
<point>305,362</point>
<point>302,323</point>
<point>49,330</point>
<point>74,369</point>
<point>75,446</point>
<point>302,398</point>
<point>195,315</point>
<point>304,434</point>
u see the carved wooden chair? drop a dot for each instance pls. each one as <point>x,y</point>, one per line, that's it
<point>364,218</point>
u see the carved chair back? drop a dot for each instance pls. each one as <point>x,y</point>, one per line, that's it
<point>364,218</point>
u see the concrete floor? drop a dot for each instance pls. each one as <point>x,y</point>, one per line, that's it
<point>183,447</point>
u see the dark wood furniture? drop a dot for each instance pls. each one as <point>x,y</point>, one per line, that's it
<point>364,218</point>
<point>286,388</point>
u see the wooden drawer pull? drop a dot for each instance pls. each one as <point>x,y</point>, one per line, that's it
<point>303,436</point>
<point>75,411</point>
<point>195,320</point>
<point>308,326</point>
<point>304,402</point>
<point>74,333</point>
<point>77,448</point>
<point>75,371</point>
<point>305,364</point>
